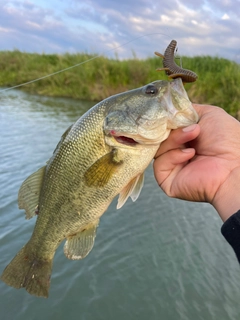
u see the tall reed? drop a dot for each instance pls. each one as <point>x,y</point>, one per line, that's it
<point>218,78</point>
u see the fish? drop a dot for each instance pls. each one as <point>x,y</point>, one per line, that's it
<point>102,155</point>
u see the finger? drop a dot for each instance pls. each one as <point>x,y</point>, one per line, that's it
<point>178,138</point>
<point>204,108</point>
<point>167,166</point>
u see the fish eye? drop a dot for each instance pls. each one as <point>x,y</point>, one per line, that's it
<point>151,89</point>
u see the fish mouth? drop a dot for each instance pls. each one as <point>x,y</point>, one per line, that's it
<point>123,139</point>
<point>126,140</point>
<point>132,140</point>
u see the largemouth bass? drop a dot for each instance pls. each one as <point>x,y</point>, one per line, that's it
<point>102,155</point>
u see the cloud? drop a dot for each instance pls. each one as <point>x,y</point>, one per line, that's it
<point>225,17</point>
<point>202,27</point>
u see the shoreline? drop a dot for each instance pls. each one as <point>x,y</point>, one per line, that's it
<point>218,78</point>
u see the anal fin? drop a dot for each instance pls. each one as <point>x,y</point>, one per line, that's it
<point>79,245</point>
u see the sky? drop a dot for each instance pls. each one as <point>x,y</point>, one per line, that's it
<point>123,28</point>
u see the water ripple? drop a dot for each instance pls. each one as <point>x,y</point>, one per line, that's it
<point>158,258</point>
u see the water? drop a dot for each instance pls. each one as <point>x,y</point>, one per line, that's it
<point>158,258</point>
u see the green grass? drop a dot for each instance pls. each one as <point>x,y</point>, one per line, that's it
<point>218,78</point>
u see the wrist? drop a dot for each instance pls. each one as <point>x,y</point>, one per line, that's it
<point>227,198</point>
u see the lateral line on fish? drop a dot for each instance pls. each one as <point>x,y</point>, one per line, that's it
<point>81,63</point>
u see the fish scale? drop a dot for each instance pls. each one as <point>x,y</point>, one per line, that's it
<point>104,154</point>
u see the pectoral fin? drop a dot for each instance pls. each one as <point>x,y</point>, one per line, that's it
<point>79,245</point>
<point>132,189</point>
<point>28,195</point>
<point>102,170</point>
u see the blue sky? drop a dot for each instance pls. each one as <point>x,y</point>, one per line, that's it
<point>100,26</point>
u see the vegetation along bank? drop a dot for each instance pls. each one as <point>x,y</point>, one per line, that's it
<point>218,78</point>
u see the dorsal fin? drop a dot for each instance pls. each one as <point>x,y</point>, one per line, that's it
<point>28,195</point>
<point>63,137</point>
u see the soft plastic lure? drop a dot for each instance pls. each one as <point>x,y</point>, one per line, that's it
<point>171,68</point>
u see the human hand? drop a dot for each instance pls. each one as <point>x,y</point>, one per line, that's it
<point>202,162</point>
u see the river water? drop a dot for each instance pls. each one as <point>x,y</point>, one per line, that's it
<point>158,258</point>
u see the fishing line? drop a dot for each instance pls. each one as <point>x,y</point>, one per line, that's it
<point>178,57</point>
<point>83,62</point>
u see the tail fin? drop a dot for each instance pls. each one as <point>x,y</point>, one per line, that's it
<point>26,271</point>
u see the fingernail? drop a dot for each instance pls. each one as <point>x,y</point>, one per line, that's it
<point>188,150</point>
<point>189,128</point>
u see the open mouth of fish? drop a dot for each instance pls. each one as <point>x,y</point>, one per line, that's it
<point>134,140</point>
<point>129,141</point>
<point>125,140</point>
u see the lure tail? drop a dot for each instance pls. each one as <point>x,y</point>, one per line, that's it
<point>27,271</point>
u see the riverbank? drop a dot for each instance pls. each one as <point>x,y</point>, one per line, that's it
<point>218,78</point>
